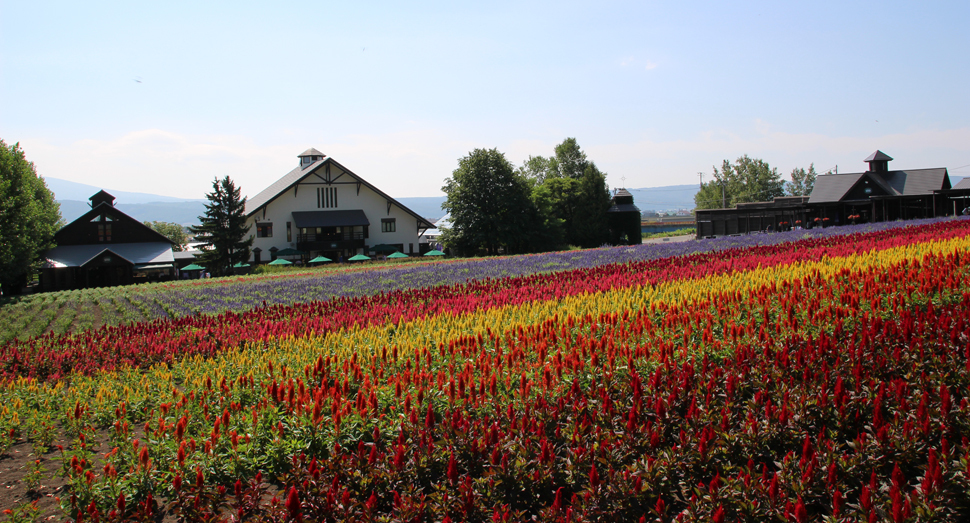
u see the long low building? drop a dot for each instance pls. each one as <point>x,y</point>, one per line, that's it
<point>875,195</point>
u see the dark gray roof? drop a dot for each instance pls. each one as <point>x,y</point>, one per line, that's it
<point>910,182</point>
<point>622,192</point>
<point>311,152</point>
<point>293,177</point>
<point>624,207</point>
<point>878,156</point>
<point>348,218</point>
<point>963,184</point>
<point>135,253</point>
<point>832,187</point>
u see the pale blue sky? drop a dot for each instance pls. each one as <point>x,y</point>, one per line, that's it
<point>162,97</point>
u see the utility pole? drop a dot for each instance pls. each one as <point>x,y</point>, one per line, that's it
<point>701,175</point>
<point>723,199</point>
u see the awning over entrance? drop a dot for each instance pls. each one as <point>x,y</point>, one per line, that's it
<point>311,219</point>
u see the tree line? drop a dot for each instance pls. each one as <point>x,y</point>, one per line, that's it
<point>751,180</point>
<point>547,203</point>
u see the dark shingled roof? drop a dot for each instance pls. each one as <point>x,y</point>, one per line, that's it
<point>832,187</point>
<point>963,184</point>
<point>910,182</point>
<point>878,156</point>
<point>311,152</point>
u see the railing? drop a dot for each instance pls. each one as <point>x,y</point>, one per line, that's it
<point>329,236</point>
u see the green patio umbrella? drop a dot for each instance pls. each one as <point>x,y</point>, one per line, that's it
<point>397,255</point>
<point>240,265</point>
<point>435,252</point>
<point>359,257</point>
<point>280,261</point>
<point>193,267</point>
<point>320,259</point>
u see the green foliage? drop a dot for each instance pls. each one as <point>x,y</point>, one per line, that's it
<point>172,231</point>
<point>490,206</point>
<point>223,229</point>
<point>575,196</point>
<point>802,181</point>
<point>535,170</point>
<point>670,234</point>
<point>747,180</point>
<point>29,215</point>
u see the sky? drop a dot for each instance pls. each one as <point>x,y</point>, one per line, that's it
<point>164,97</point>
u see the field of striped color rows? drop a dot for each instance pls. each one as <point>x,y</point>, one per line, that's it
<point>823,378</point>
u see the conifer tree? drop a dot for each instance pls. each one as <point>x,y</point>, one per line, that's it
<point>223,229</point>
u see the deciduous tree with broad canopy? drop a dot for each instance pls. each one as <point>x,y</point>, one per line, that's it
<point>802,181</point>
<point>223,229</point>
<point>172,231</point>
<point>489,205</point>
<point>29,217</point>
<point>747,180</point>
<point>574,192</point>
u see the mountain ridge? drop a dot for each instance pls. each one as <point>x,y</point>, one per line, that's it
<point>73,198</point>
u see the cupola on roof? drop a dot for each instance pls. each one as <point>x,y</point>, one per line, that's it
<point>309,156</point>
<point>311,152</point>
<point>879,162</point>
<point>100,197</point>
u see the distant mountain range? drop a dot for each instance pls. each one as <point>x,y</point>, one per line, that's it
<point>73,198</point>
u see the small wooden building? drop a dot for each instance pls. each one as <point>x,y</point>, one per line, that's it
<point>623,218</point>
<point>106,247</point>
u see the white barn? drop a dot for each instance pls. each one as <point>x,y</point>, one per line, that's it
<point>322,208</point>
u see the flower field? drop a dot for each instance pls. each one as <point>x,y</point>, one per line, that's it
<point>86,309</point>
<point>821,378</point>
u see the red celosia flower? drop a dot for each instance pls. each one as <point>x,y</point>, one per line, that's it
<point>293,505</point>
<point>452,469</point>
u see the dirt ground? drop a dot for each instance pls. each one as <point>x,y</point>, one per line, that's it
<point>15,465</point>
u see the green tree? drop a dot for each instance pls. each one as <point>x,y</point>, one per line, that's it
<point>747,180</point>
<point>590,227</point>
<point>489,206</point>
<point>29,217</point>
<point>578,196</point>
<point>802,181</point>
<point>569,161</point>
<point>535,170</point>
<point>223,228</point>
<point>172,231</point>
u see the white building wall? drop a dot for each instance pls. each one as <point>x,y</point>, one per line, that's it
<point>304,198</point>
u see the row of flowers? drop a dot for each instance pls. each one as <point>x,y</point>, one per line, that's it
<point>57,312</point>
<point>824,378</point>
<point>144,344</point>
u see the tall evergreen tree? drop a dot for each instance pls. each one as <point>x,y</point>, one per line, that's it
<point>29,217</point>
<point>223,229</point>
